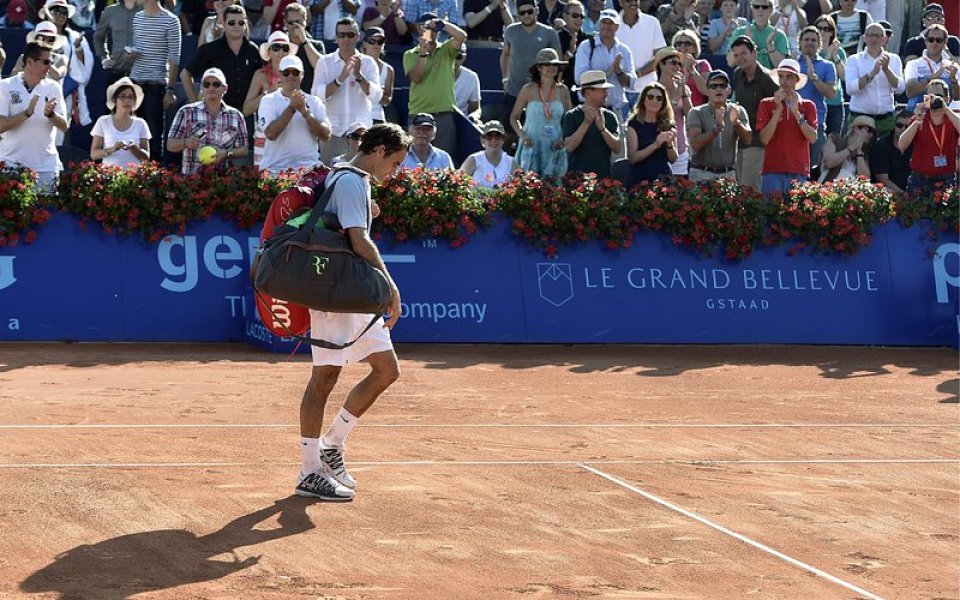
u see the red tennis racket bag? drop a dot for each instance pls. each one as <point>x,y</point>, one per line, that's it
<point>283,318</point>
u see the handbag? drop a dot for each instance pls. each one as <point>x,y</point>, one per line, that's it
<point>309,262</point>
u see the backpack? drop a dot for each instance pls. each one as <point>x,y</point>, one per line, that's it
<point>279,316</point>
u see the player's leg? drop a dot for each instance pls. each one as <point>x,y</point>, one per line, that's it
<point>315,480</point>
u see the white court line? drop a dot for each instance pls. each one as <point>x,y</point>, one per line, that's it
<point>491,425</point>
<point>480,463</point>
<point>734,534</point>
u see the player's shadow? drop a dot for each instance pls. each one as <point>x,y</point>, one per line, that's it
<point>117,568</point>
<point>951,387</point>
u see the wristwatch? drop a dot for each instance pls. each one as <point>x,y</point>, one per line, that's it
<point>814,77</point>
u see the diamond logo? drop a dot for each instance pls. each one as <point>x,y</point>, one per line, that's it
<point>556,282</point>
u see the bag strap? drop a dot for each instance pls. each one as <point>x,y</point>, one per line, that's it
<point>314,341</point>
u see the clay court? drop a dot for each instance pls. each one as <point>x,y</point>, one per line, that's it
<point>494,472</point>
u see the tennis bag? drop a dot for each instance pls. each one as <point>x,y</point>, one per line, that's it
<point>279,316</point>
<point>309,262</point>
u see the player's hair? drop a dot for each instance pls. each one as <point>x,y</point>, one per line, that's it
<point>389,135</point>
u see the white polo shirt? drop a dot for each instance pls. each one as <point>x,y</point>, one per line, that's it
<point>348,104</point>
<point>295,147</point>
<point>33,143</point>
<point>643,39</point>
<point>876,98</point>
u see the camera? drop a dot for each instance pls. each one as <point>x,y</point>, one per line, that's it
<point>936,102</point>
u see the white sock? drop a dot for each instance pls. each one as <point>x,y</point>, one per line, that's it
<point>342,424</point>
<point>310,454</point>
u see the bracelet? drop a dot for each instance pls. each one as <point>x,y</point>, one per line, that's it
<point>337,82</point>
<point>488,10</point>
<point>424,55</point>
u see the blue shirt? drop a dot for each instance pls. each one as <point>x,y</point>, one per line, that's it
<point>438,159</point>
<point>827,74</point>
<point>601,58</point>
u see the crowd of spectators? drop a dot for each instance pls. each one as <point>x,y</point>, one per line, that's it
<point>767,92</point>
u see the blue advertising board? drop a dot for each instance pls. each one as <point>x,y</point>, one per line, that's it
<point>81,284</point>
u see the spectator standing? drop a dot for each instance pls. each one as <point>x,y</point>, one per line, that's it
<point>847,156</point>
<point>821,84</point>
<point>430,68</point>
<point>873,77</point>
<point>423,154</point>
<point>324,15</point>
<point>113,36</point>
<point>544,101</point>
<point>31,112</point>
<point>751,83</point>
<point>608,54</point>
<point>233,53</point>
<point>491,166</point>
<point>694,69</point>
<point>715,130</point>
<point>309,50</point>
<point>814,9</point>
<point>294,123</point>
<point>681,14</point>
<point>642,34</point>
<point>388,16</point>
<point>722,28</point>
<point>381,108</point>
<point>549,12</point>
<point>788,126</point>
<point>934,136</point>
<point>521,42</point>
<point>485,21</point>
<point>156,42</point>
<point>422,11</point>
<point>934,63</point>
<point>678,95</point>
<point>789,18</point>
<point>851,25</point>
<point>120,138</point>
<point>80,59</point>
<point>830,50</point>
<point>591,19</point>
<point>213,26</point>
<point>887,164</point>
<point>651,136</point>
<point>771,44</point>
<point>46,33</point>
<point>466,87</point>
<point>705,11</point>
<point>932,15</point>
<point>877,9</point>
<point>348,83</point>
<point>591,131</point>
<point>570,37</point>
<point>208,122</point>
<point>265,81</point>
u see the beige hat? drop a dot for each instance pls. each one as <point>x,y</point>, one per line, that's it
<point>45,13</point>
<point>120,83</point>
<point>865,121</point>
<point>788,65</point>
<point>277,37</point>
<point>663,54</point>
<point>548,56</point>
<point>47,28</point>
<point>593,79</point>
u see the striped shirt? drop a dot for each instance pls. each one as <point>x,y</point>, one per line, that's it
<point>157,39</point>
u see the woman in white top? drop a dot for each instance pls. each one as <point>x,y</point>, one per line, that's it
<point>491,166</point>
<point>373,40</point>
<point>120,138</point>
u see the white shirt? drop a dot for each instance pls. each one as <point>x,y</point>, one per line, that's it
<point>466,88</point>
<point>486,174</point>
<point>645,37</point>
<point>876,98</point>
<point>137,131</point>
<point>602,60</point>
<point>33,143</point>
<point>296,146</point>
<point>348,104</point>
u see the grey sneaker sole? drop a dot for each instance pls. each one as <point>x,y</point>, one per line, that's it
<point>308,494</point>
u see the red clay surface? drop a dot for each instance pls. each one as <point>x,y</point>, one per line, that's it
<point>500,472</point>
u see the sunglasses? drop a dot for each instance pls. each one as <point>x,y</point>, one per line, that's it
<point>60,11</point>
<point>938,18</point>
<point>825,28</point>
<point>671,61</point>
<point>290,73</point>
<point>901,125</point>
<point>213,84</point>
<point>657,97</point>
<point>45,61</point>
<point>376,41</point>
<point>524,13</point>
<point>684,43</point>
<point>295,23</point>
<point>355,136</point>
<point>346,34</point>
<point>46,38</point>
<point>934,40</point>
<point>126,97</point>
<point>717,86</point>
<point>240,23</point>
<point>279,48</point>
<point>575,15</point>
<point>761,6</point>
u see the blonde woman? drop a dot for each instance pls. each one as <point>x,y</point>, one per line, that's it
<point>688,45</point>
<point>120,138</point>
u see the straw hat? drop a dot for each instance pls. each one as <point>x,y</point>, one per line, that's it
<point>49,29</point>
<point>45,13</point>
<point>277,37</point>
<point>593,79</point>
<point>663,54</point>
<point>788,65</point>
<point>865,121</point>
<point>124,82</point>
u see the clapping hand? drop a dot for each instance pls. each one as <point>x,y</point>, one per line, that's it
<point>49,106</point>
<point>298,101</point>
<point>666,137</point>
<point>32,106</point>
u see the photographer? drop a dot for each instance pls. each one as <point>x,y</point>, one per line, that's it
<point>934,135</point>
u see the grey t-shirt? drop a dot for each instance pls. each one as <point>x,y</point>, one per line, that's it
<point>350,199</point>
<point>722,151</point>
<point>524,46</point>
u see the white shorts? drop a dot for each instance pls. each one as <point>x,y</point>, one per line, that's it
<point>340,328</point>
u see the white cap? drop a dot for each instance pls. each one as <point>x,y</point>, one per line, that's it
<point>216,74</point>
<point>291,62</point>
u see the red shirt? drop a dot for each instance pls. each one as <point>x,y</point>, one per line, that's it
<point>926,148</point>
<point>951,15</point>
<point>788,151</point>
<point>277,24</point>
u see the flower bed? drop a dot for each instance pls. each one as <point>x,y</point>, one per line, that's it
<point>716,217</point>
